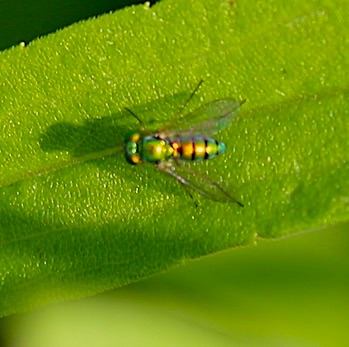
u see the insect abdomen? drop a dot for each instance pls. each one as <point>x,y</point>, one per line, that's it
<point>197,148</point>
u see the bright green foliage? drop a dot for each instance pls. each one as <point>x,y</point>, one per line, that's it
<point>77,219</point>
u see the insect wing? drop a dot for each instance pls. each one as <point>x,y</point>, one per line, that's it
<point>206,120</point>
<point>196,181</point>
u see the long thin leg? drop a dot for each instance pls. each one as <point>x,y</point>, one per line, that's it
<point>196,181</point>
<point>190,97</point>
<point>134,115</point>
<point>177,113</point>
<point>169,169</point>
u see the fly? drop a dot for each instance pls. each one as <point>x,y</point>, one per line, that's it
<point>191,140</point>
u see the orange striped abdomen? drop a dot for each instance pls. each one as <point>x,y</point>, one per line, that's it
<point>196,148</point>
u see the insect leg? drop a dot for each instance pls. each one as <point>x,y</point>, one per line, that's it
<point>134,115</point>
<point>200,183</point>
<point>190,97</point>
<point>204,185</point>
<point>170,169</point>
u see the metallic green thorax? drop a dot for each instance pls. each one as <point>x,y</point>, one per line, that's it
<point>141,147</point>
<point>155,150</point>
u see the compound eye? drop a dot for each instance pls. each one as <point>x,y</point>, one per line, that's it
<point>135,137</point>
<point>134,159</point>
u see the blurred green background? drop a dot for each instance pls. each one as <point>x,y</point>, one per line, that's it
<point>290,292</point>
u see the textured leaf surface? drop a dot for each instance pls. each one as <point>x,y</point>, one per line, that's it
<point>76,219</point>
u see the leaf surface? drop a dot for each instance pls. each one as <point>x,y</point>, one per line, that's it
<point>77,219</point>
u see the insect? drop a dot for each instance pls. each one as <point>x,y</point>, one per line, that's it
<point>188,141</point>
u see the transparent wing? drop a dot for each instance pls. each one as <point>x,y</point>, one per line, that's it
<point>200,183</point>
<point>206,120</point>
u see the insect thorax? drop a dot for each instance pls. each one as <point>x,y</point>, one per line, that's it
<point>155,149</point>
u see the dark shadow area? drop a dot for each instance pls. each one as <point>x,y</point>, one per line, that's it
<point>26,20</point>
<point>41,241</point>
<point>5,325</point>
<point>94,135</point>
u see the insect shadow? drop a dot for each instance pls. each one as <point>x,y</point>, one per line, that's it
<point>99,138</point>
<point>94,135</point>
<point>99,134</point>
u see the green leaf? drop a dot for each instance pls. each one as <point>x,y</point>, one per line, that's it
<point>77,219</point>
